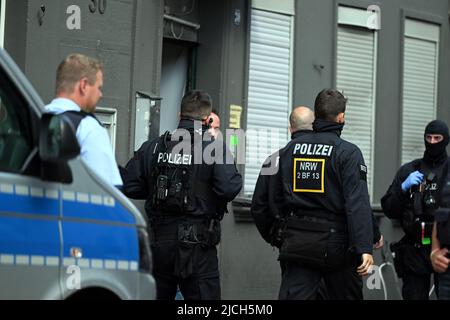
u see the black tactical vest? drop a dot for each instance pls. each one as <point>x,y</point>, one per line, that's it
<point>77,116</point>
<point>443,213</point>
<point>170,181</point>
<point>418,219</point>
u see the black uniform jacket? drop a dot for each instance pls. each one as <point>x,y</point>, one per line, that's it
<point>220,178</point>
<point>319,173</point>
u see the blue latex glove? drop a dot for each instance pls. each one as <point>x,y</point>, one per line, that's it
<point>414,179</point>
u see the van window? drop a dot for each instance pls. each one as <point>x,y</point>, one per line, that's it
<point>15,130</point>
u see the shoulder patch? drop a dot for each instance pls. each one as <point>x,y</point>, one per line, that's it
<point>270,162</point>
<point>363,172</point>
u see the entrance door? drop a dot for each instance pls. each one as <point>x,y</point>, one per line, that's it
<point>174,80</point>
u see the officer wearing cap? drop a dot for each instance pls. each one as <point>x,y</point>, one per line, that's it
<point>319,191</point>
<point>413,197</point>
<point>187,178</point>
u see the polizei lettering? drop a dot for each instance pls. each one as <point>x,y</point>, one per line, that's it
<point>308,149</point>
<point>178,159</point>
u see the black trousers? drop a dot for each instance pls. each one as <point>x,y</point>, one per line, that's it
<point>417,272</point>
<point>417,286</point>
<point>304,283</point>
<point>193,267</point>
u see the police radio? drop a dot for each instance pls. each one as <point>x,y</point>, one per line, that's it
<point>428,198</point>
<point>162,184</point>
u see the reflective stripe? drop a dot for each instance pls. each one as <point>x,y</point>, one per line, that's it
<point>41,261</point>
<point>37,261</point>
<point>6,259</point>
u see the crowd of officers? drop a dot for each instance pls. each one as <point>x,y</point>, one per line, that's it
<point>316,210</point>
<point>311,199</point>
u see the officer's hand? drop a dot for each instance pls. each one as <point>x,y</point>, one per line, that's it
<point>414,179</point>
<point>439,260</point>
<point>379,244</point>
<point>366,266</point>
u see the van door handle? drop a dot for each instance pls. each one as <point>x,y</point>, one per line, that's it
<point>76,253</point>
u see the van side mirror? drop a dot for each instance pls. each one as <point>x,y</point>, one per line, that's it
<point>57,139</point>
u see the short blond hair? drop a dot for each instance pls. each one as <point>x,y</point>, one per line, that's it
<point>74,68</point>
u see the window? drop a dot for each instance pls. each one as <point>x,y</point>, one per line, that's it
<point>269,89</point>
<point>420,71</point>
<point>356,77</point>
<point>15,131</point>
<point>2,22</point>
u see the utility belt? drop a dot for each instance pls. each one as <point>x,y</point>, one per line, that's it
<point>187,231</point>
<point>339,221</point>
<point>316,242</point>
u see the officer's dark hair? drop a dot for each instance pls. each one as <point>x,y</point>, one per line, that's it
<point>196,105</point>
<point>329,103</point>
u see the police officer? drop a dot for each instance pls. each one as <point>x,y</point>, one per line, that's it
<point>440,254</point>
<point>413,197</point>
<point>269,224</point>
<point>187,179</point>
<point>266,216</point>
<point>79,84</point>
<point>319,193</point>
<point>214,125</point>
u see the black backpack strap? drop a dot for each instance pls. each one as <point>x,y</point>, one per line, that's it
<point>418,164</point>
<point>77,116</point>
<point>426,170</point>
<point>161,146</point>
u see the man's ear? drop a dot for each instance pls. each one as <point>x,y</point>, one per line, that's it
<point>340,118</point>
<point>82,86</point>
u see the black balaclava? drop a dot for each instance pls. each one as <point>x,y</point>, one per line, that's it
<point>436,153</point>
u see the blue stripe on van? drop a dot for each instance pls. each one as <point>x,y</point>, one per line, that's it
<point>29,237</point>
<point>90,211</point>
<point>28,205</point>
<point>101,241</point>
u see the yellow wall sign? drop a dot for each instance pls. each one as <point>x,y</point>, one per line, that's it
<point>235,116</point>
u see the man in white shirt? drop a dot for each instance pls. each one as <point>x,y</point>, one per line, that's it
<point>79,82</point>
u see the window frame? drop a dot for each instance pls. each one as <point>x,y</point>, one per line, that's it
<point>431,20</point>
<point>247,193</point>
<point>2,22</point>
<point>349,20</point>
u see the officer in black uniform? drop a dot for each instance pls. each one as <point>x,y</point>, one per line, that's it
<point>187,179</point>
<point>319,196</point>
<point>266,216</point>
<point>413,197</point>
<point>440,251</point>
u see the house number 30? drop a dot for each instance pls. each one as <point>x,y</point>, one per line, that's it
<point>99,5</point>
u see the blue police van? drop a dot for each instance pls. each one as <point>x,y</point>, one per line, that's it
<point>64,233</point>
